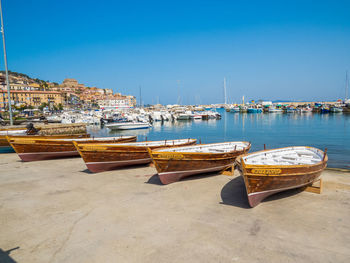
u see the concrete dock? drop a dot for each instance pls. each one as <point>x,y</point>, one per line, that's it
<point>56,211</point>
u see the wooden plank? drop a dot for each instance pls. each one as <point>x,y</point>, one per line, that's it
<point>316,187</point>
<point>229,171</point>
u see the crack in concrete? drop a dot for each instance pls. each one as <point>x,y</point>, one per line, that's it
<point>69,234</point>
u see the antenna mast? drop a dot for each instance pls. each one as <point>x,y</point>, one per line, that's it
<point>6,70</point>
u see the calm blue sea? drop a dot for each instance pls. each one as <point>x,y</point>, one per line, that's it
<point>330,131</point>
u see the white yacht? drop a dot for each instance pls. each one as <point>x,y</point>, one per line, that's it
<point>128,125</point>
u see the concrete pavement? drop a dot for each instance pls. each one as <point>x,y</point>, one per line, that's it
<point>55,211</point>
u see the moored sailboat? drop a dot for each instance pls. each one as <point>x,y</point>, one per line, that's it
<point>110,156</point>
<point>176,163</point>
<point>271,171</point>
<point>35,149</point>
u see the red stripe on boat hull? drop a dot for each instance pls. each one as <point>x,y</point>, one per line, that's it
<point>30,157</point>
<point>97,167</point>
<point>255,198</point>
<point>172,177</point>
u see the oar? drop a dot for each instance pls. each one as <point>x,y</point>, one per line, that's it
<point>325,153</point>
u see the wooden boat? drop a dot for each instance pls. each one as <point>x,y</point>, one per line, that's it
<point>271,171</point>
<point>104,157</point>
<point>35,149</point>
<point>176,163</point>
<point>4,143</point>
<point>45,130</point>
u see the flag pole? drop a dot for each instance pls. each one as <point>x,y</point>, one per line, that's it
<point>6,70</point>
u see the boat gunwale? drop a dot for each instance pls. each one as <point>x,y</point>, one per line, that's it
<point>200,153</point>
<point>120,145</point>
<point>271,166</point>
<point>18,140</point>
<point>59,136</point>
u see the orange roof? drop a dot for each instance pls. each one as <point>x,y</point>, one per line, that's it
<point>31,91</point>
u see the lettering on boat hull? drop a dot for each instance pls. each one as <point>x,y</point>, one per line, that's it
<point>266,171</point>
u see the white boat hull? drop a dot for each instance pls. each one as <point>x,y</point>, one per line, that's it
<point>128,126</point>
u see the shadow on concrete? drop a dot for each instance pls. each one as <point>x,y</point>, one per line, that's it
<point>235,194</point>
<point>87,171</point>
<point>154,179</point>
<point>5,256</point>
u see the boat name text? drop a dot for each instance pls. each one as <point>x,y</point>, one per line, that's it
<point>266,171</point>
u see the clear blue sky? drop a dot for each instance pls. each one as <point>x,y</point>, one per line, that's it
<point>296,50</point>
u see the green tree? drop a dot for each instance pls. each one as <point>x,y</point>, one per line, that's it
<point>42,106</point>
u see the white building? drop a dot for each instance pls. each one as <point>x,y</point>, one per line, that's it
<point>113,104</point>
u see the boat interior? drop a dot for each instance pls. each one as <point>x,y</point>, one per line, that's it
<point>93,139</point>
<point>75,139</point>
<point>210,148</point>
<point>155,143</point>
<point>286,156</point>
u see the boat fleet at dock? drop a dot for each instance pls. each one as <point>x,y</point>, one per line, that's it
<point>143,118</point>
<point>265,172</point>
<point>278,108</point>
<point>135,115</point>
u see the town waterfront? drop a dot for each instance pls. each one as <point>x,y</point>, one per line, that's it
<point>331,131</point>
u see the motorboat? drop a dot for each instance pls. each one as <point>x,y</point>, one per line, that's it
<point>128,125</point>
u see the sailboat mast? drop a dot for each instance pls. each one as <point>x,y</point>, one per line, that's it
<point>178,93</point>
<point>225,97</point>
<point>140,97</point>
<point>6,70</point>
<point>346,86</point>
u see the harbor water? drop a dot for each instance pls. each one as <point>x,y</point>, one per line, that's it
<point>331,131</point>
